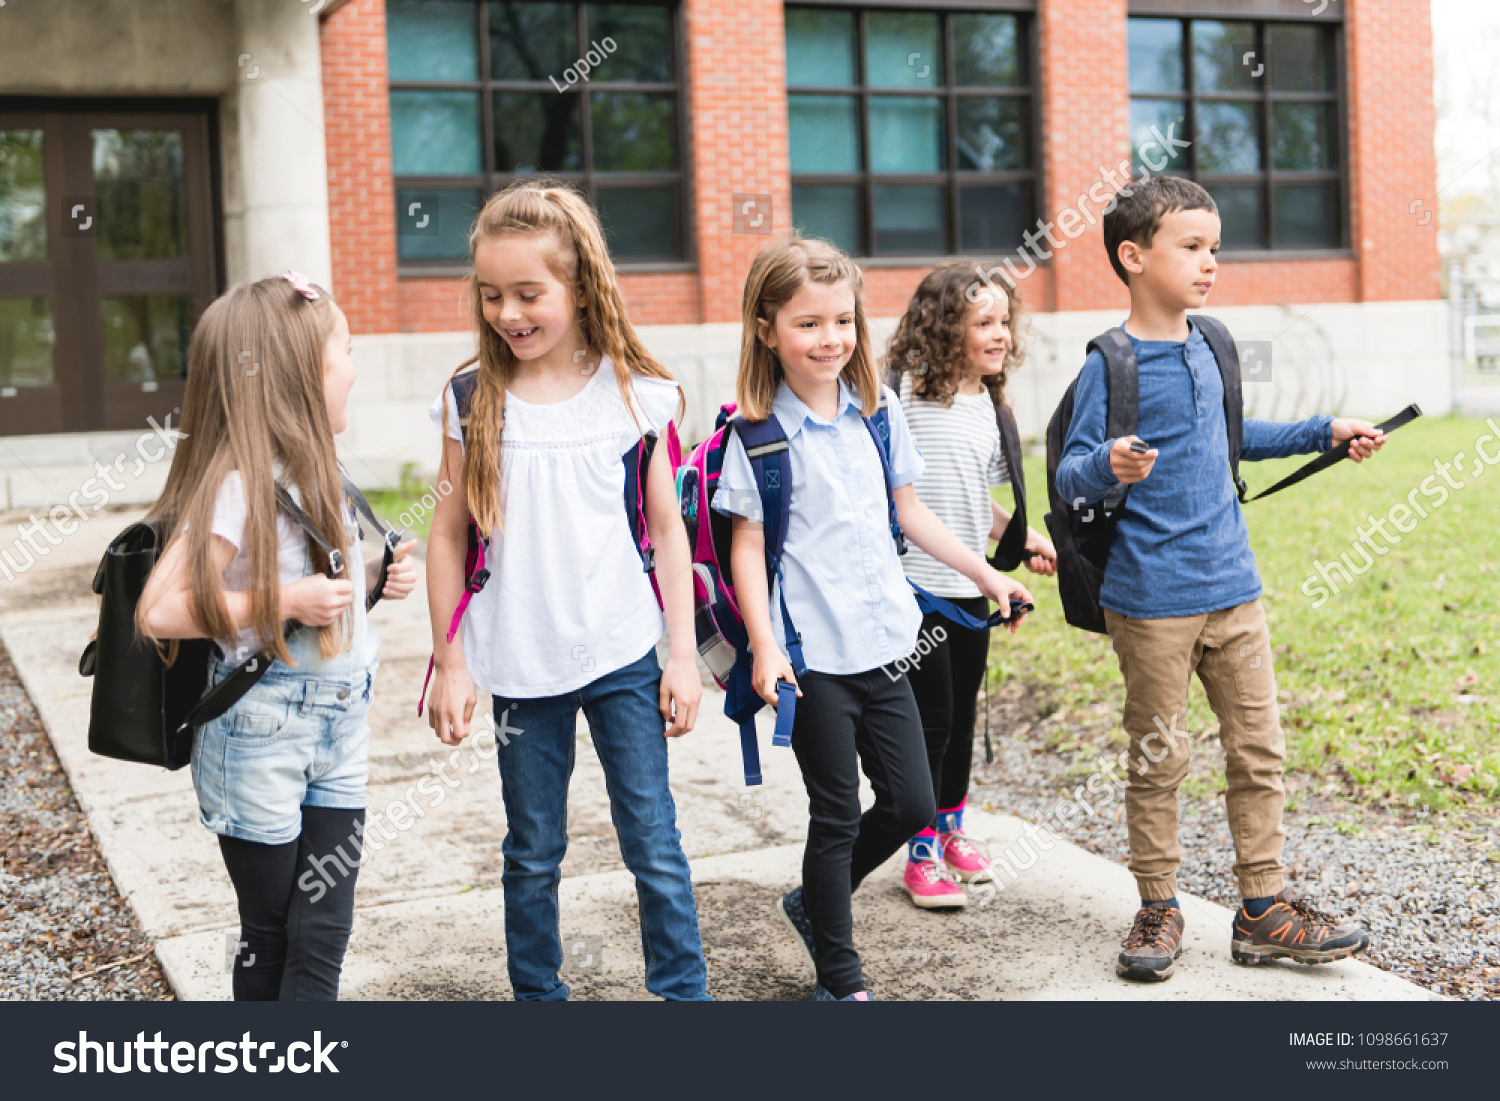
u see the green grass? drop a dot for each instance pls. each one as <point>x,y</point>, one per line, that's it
<point>400,506</point>
<point>1370,681</point>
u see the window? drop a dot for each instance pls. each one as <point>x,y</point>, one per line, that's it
<point>107,257</point>
<point>911,132</point>
<point>1260,105</point>
<point>484,92</point>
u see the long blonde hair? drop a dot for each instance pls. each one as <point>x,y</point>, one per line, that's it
<point>254,397</point>
<point>778,272</point>
<point>580,261</point>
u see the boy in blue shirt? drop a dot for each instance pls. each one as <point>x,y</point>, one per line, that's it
<point>1181,590</point>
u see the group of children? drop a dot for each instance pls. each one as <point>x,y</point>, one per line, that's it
<point>557,403</point>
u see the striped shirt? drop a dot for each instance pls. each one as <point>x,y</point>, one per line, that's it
<point>960,444</point>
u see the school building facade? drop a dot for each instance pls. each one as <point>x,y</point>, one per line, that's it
<point>151,154</point>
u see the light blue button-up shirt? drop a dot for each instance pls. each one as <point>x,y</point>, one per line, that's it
<point>845,588</point>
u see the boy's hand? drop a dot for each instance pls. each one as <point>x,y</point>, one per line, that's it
<point>1044,554</point>
<point>1366,438</point>
<point>767,670</point>
<point>1131,466</point>
<point>681,692</point>
<point>1004,591</point>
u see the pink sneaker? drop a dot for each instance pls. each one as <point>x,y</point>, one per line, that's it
<point>964,856</point>
<point>932,886</point>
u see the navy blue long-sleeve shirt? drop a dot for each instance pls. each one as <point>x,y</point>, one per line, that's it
<point>1182,547</point>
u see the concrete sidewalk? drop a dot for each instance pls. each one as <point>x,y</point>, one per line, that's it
<point>429,922</point>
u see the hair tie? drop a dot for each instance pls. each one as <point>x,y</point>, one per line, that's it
<point>300,284</point>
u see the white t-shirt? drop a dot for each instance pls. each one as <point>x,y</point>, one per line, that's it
<point>961,443</point>
<point>292,564</point>
<point>567,601</point>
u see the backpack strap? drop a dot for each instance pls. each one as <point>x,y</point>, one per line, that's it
<point>1336,454</point>
<point>1228,357</point>
<point>1123,377</point>
<point>1010,550</point>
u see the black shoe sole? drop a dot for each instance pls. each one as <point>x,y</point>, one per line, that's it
<point>1253,955</point>
<point>1140,973</point>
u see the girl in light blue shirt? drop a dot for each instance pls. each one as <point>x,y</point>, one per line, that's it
<point>806,360</point>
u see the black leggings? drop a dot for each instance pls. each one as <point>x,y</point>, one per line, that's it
<point>946,683</point>
<point>843,722</point>
<point>296,908</point>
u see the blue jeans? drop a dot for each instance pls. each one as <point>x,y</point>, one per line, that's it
<point>536,762</point>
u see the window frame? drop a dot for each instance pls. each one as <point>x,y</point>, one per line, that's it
<point>952,179</point>
<point>489,179</point>
<point>1265,98</point>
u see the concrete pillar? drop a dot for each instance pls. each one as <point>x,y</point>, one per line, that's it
<point>275,167</point>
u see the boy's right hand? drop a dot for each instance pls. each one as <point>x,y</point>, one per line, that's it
<point>317,601</point>
<point>769,669</point>
<point>1130,466</point>
<point>452,704</point>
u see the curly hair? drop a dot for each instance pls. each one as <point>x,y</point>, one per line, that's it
<point>930,337</point>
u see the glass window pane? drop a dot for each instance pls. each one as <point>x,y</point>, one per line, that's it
<point>992,219</point>
<point>1302,137</point>
<point>138,178</point>
<point>910,219</point>
<point>23,198</point>
<point>634,132</point>
<point>639,46</point>
<point>906,134</point>
<point>640,223</point>
<point>26,342</point>
<point>431,40</point>
<point>1239,211</point>
<point>987,50</point>
<point>823,132</point>
<point>1228,137</point>
<point>1301,58</point>
<point>435,133</point>
<point>902,50</point>
<point>146,336</point>
<point>831,213</point>
<point>532,41</point>
<point>1156,55</point>
<point>434,226</point>
<point>537,132</point>
<point>1220,63</point>
<point>1307,216</point>
<point>992,134</point>
<point>1154,125</point>
<point>819,47</point>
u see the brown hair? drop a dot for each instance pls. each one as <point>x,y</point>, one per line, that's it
<point>1139,209</point>
<point>254,397</point>
<point>777,273</point>
<point>580,260</point>
<point>931,337</point>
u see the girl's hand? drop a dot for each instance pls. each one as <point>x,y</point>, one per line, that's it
<point>316,601</point>
<point>1044,560</point>
<point>681,692</point>
<point>768,669</point>
<point>401,575</point>
<point>1366,438</point>
<point>452,703</point>
<point>1004,591</point>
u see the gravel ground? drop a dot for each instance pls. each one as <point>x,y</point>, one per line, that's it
<point>65,932</point>
<point>1429,895</point>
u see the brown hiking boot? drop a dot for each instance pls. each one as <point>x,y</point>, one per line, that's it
<point>1293,930</point>
<point>1154,943</point>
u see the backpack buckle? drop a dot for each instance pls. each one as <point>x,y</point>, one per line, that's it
<point>336,560</point>
<point>477,581</point>
<point>900,537</point>
<point>648,559</point>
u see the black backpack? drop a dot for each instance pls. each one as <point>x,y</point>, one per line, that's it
<point>1083,532</point>
<point>144,710</point>
<point>1010,549</point>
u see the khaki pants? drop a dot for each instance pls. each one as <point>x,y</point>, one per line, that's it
<point>1230,650</point>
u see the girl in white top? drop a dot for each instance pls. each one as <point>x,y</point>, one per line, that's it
<point>282,775</point>
<point>568,619</point>
<point>953,350</point>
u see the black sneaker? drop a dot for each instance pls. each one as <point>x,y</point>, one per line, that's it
<point>1154,943</point>
<point>789,907</point>
<point>1293,930</point>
